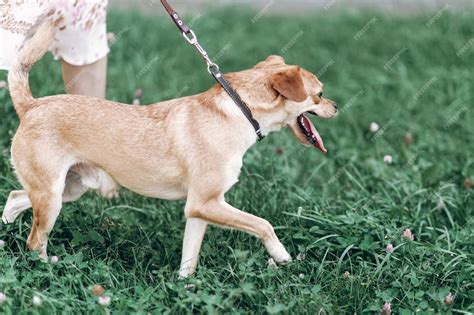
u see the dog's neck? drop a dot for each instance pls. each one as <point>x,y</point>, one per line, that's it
<point>269,120</point>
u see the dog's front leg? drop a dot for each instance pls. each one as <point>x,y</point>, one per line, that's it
<point>217,211</point>
<point>193,235</point>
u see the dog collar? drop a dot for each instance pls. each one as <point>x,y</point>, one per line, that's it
<point>237,100</point>
<point>213,69</point>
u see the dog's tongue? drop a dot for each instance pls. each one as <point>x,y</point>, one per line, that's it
<point>310,132</point>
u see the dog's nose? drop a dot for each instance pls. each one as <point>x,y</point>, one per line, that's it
<point>335,105</point>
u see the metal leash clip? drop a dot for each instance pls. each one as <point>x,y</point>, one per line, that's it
<point>192,40</point>
<point>213,68</point>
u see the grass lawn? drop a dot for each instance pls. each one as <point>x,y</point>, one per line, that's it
<point>336,212</point>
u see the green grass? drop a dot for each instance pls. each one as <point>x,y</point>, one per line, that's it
<point>339,210</point>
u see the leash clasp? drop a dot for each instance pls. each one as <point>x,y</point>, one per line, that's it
<point>213,68</point>
<point>191,38</point>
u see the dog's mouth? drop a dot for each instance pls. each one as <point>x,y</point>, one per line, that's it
<point>310,132</point>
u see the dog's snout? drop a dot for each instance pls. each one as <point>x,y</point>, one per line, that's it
<point>335,105</point>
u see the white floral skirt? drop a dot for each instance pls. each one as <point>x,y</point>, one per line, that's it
<point>80,38</point>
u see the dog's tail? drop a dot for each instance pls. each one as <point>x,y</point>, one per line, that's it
<point>34,47</point>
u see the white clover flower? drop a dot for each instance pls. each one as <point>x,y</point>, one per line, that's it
<point>54,260</point>
<point>37,300</point>
<point>374,127</point>
<point>104,300</point>
<point>3,298</point>
<point>388,159</point>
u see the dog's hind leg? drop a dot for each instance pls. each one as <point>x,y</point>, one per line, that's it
<point>46,207</point>
<point>17,202</point>
<point>47,201</point>
<point>45,190</point>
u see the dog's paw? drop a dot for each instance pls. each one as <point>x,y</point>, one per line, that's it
<point>111,194</point>
<point>43,256</point>
<point>279,253</point>
<point>185,272</point>
<point>16,204</point>
<point>8,217</point>
<point>283,259</point>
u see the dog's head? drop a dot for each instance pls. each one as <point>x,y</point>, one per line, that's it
<point>282,95</point>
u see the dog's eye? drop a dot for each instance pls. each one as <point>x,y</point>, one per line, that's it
<point>320,94</point>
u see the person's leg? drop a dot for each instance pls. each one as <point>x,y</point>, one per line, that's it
<point>81,45</point>
<point>87,80</point>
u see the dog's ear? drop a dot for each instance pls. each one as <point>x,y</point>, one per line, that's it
<point>289,83</point>
<point>272,60</point>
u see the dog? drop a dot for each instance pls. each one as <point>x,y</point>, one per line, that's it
<point>187,148</point>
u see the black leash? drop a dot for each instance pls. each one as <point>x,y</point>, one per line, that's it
<point>213,68</point>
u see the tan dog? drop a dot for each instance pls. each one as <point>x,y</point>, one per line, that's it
<point>191,147</point>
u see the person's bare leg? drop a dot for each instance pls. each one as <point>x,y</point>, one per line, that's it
<point>87,80</point>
